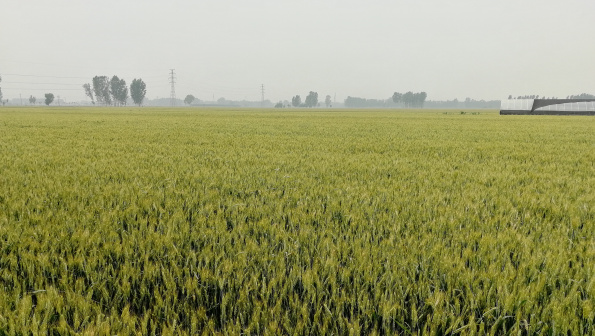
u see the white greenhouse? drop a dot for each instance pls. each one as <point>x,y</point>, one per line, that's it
<point>548,106</point>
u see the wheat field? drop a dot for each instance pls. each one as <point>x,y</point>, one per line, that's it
<point>295,222</point>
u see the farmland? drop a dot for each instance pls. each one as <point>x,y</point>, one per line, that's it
<point>190,221</point>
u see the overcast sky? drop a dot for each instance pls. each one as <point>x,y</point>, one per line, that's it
<point>227,48</point>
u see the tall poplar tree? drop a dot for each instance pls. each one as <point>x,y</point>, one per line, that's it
<point>118,90</point>
<point>138,90</point>
<point>101,89</point>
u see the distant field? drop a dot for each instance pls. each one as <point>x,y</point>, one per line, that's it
<point>190,221</point>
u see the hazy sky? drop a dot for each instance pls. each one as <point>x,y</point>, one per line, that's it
<point>227,48</point>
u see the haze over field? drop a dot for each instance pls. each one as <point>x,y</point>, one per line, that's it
<point>450,49</point>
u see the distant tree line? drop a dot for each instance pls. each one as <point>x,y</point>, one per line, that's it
<point>579,96</point>
<point>114,91</point>
<point>296,101</point>
<point>406,100</point>
<point>191,100</point>
<point>410,99</point>
<point>467,103</point>
<point>311,101</point>
<point>527,97</point>
<point>356,102</point>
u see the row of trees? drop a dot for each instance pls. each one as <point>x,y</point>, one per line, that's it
<point>114,91</point>
<point>356,102</point>
<point>579,96</point>
<point>410,99</point>
<point>49,97</point>
<point>467,103</point>
<point>311,100</point>
<point>526,97</point>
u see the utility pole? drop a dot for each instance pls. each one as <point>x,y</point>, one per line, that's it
<point>172,81</point>
<point>21,99</point>
<point>262,95</point>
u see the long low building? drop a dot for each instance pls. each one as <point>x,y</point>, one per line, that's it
<point>548,107</point>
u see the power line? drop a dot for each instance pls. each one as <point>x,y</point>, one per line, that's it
<point>41,83</point>
<point>66,77</point>
<point>172,80</point>
<point>23,75</point>
<point>207,86</point>
<point>39,89</point>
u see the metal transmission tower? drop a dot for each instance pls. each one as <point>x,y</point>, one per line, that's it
<point>262,95</point>
<point>172,81</point>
